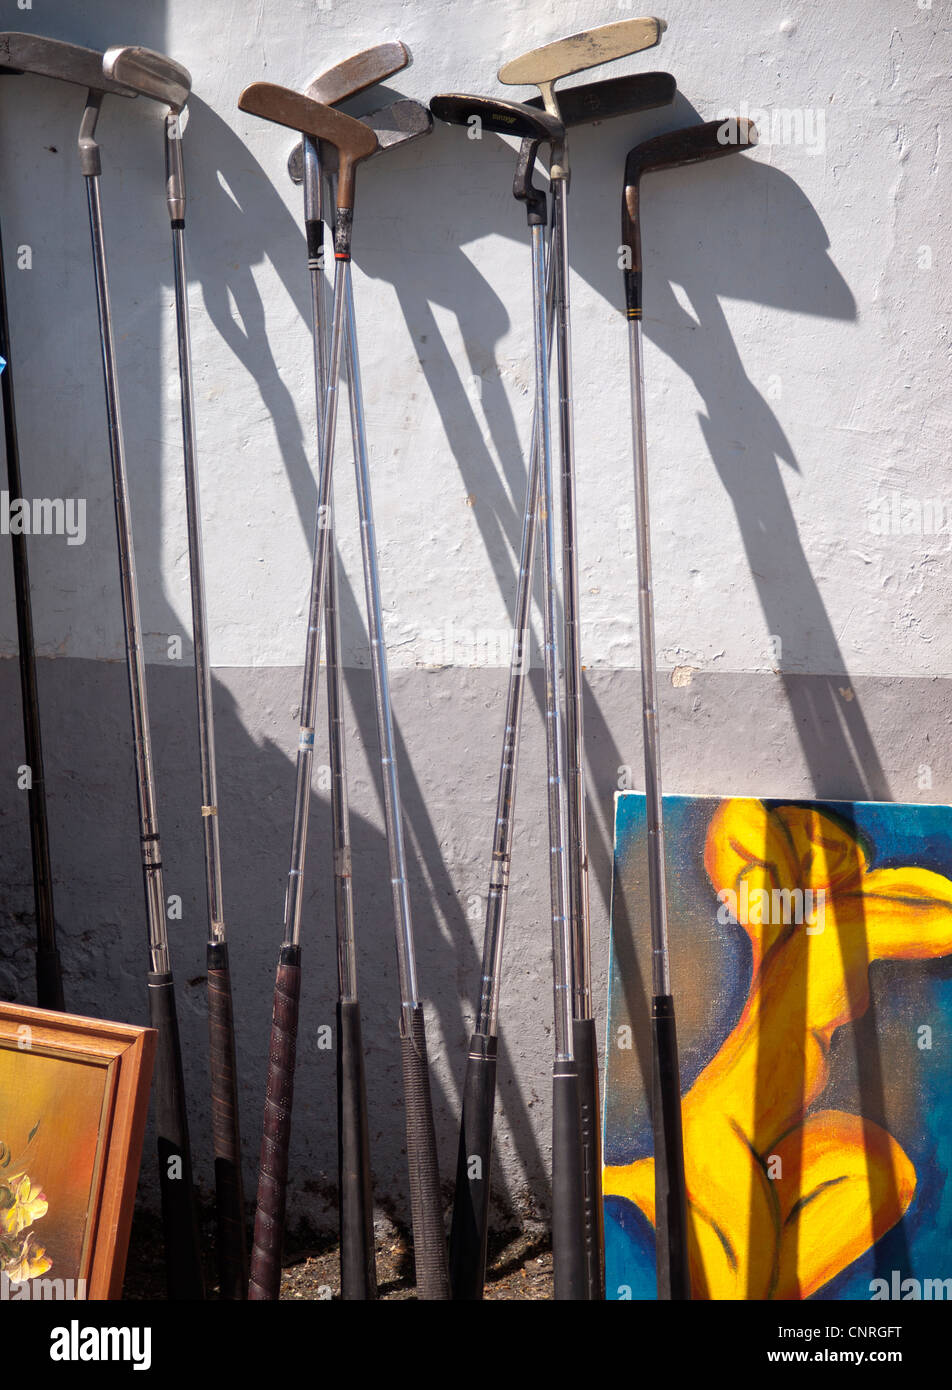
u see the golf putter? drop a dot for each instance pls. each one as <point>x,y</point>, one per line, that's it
<point>49,971</point>
<point>692,145</point>
<point>161,79</point>
<point>355,1189</point>
<point>83,67</point>
<point>543,68</point>
<point>474,1157</point>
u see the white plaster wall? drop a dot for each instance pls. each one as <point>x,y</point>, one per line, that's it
<point>797,309</point>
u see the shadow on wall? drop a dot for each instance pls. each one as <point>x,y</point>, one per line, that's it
<point>759,240</point>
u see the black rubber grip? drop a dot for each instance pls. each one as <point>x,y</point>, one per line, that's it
<point>358,1270</point>
<point>426,1200</point>
<point>585,1048</point>
<point>49,979</point>
<point>276,1136</point>
<point>568,1235</point>
<point>469,1231</point>
<point>232,1248</point>
<point>183,1256</point>
<point>671,1223</point>
<point>633,303</point>
<point>315,240</point>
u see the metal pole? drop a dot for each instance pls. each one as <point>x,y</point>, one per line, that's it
<point>183,1255</point>
<point>231,1242</point>
<point>425,1193</point>
<point>49,975</point>
<point>355,1186</point>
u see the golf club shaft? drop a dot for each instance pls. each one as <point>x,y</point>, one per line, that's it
<point>276,1137</point>
<point>469,1231</point>
<point>183,1256</point>
<point>568,1245</point>
<point>226,1135</point>
<point>670,1197</point>
<point>429,1240</point>
<point>49,975</point>
<point>583,1022</point>
<point>355,1189</point>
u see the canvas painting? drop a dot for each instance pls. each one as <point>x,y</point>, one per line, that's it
<point>811,963</point>
<point>51,1121</point>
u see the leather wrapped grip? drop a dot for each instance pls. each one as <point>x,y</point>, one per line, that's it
<point>470,1229</point>
<point>49,979</point>
<point>229,1191</point>
<point>674,1278</point>
<point>358,1273</point>
<point>183,1259</point>
<point>276,1136</point>
<point>426,1202</point>
<point>568,1237</point>
<point>585,1048</point>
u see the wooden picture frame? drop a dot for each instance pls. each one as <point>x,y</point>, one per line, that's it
<point>74,1096</point>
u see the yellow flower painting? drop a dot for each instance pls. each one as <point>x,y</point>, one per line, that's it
<point>810,959</point>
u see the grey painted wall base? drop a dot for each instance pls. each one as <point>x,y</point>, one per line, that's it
<point>880,738</point>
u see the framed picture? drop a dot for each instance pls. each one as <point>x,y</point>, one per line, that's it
<point>74,1094</point>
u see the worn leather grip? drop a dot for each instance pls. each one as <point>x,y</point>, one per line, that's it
<point>631,238</point>
<point>469,1231</point>
<point>232,1248</point>
<point>49,979</point>
<point>568,1235</point>
<point>358,1270</point>
<point>426,1201</point>
<point>585,1048</point>
<point>276,1137</point>
<point>671,1222</point>
<point>183,1257</point>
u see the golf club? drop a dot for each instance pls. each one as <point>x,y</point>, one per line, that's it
<point>49,973</point>
<point>470,1226</point>
<point>83,67</point>
<point>534,127</point>
<point>688,146</point>
<point>355,1191</point>
<point>163,80</point>
<point>543,67</point>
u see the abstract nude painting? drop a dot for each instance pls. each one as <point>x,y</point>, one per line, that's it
<point>73,1100</point>
<point>811,961</point>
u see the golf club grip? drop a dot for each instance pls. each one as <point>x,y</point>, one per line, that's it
<point>469,1231</point>
<point>358,1271</point>
<point>568,1237</point>
<point>276,1137</point>
<point>183,1260</point>
<point>585,1049</point>
<point>426,1202</point>
<point>229,1193</point>
<point>49,979</point>
<point>631,238</point>
<point>674,1278</point>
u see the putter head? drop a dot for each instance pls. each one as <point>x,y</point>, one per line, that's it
<point>690,145</point>
<point>355,74</point>
<point>588,49</point>
<point>67,62</point>
<point>149,73</point>
<point>615,96</point>
<point>498,114</point>
<point>392,125</point>
<point>353,140</point>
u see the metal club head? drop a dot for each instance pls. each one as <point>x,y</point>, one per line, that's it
<point>393,125</point>
<point>353,140</point>
<point>355,74</point>
<point>614,96</point>
<point>67,62</point>
<point>544,66</point>
<point>498,114</point>
<point>691,145</point>
<point>150,74</point>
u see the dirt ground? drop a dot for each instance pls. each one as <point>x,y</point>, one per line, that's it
<point>520,1267</point>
